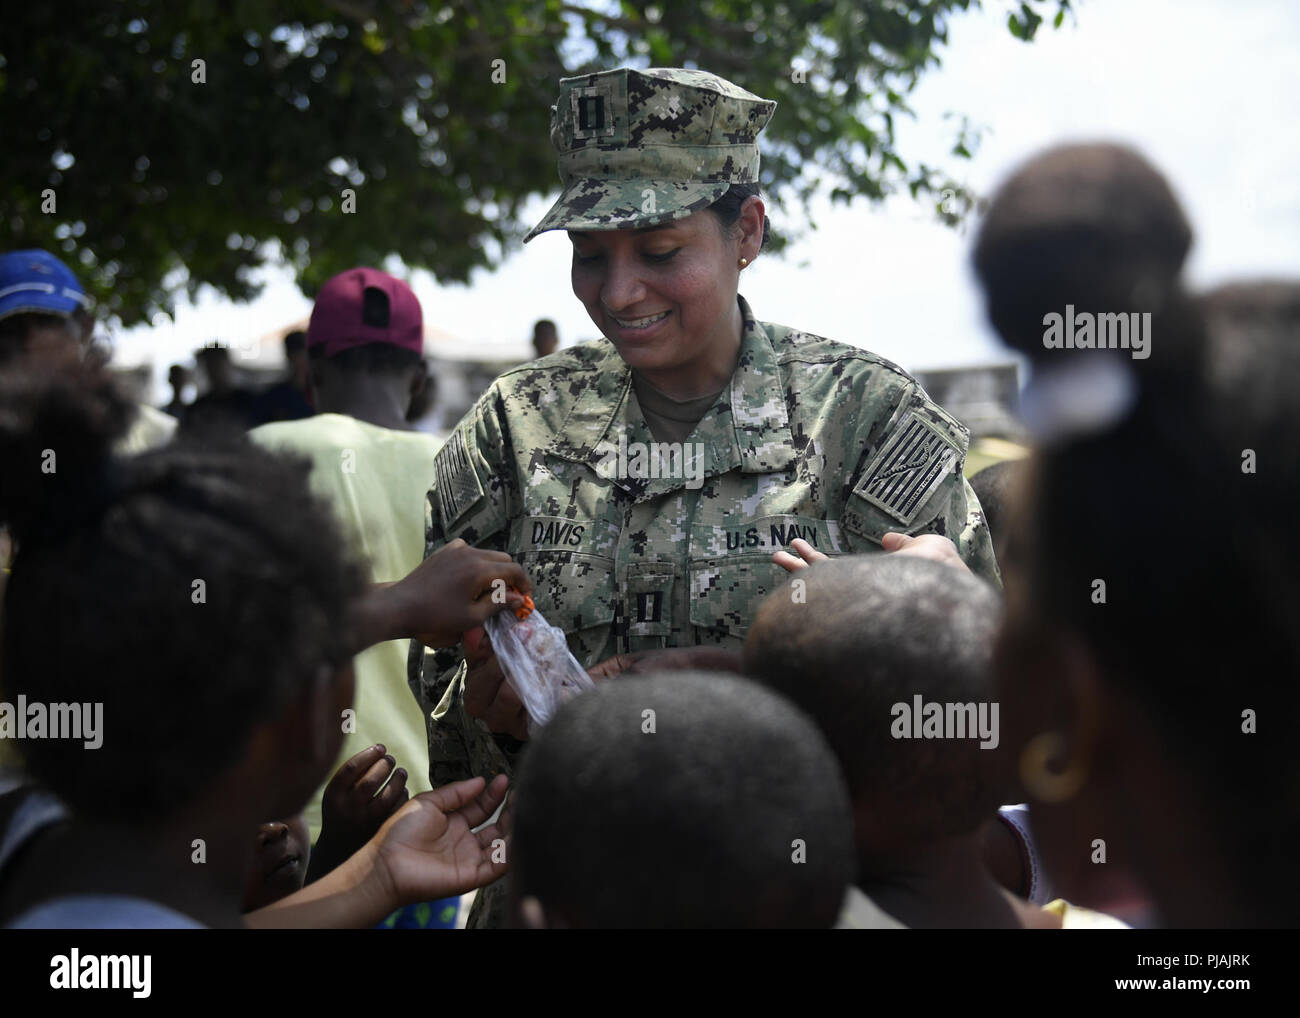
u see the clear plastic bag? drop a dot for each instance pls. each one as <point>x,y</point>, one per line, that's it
<point>535,659</point>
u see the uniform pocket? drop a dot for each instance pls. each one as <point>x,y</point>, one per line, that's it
<point>575,591</point>
<point>725,595</point>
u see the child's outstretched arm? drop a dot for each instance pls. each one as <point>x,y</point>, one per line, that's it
<point>427,850</point>
<point>452,590</point>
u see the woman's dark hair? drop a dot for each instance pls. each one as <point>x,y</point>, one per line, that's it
<point>1188,511</point>
<point>193,591</point>
<point>727,208</point>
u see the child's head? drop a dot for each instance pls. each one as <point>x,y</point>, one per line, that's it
<point>1149,637</point>
<point>198,594</point>
<point>865,635</point>
<point>279,864</point>
<point>684,799</point>
<point>1092,225</point>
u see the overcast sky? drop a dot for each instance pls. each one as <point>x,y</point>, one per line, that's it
<point>1207,89</point>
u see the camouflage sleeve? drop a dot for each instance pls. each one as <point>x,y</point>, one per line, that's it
<point>472,498</point>
<point>910,481</point>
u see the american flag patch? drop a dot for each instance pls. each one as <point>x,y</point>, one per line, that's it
<point>914,461</point>
<point>458,485</point>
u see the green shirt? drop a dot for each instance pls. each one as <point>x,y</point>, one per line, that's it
<point>375,479</point>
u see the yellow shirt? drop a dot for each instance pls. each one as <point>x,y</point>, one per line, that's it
<point>376,479</point>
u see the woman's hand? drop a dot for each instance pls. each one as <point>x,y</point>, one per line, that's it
<point>488,696</point>
<point>931,546</point>
<point>453,590</point>
<point>808,555</point>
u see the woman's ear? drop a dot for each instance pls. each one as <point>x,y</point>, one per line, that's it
<point>752,216</point>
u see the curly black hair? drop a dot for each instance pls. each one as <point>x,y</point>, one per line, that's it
<point>193,590</point>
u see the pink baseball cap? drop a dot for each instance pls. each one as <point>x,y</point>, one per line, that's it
<point>363,306</point>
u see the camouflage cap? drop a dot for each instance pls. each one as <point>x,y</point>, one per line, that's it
<point>641,148</point>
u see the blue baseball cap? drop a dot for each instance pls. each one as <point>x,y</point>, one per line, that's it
<point>37,281</point>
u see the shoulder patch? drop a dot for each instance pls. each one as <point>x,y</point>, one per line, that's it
<point>915,459</point>
<point>458,484</point>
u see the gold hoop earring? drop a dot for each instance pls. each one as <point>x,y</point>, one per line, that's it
<point>1039,779</point>
<point>744,262</point>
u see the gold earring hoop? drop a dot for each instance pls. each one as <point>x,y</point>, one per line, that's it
<point>744,262</point>
<point>1039,779</point>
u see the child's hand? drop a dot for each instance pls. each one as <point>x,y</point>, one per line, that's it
<point>428,849</point>
<point>453,590</point>
<point>351,811</point>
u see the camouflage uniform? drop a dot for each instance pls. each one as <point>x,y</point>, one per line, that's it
<point>811,439</point>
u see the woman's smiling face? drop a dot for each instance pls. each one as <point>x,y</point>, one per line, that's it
<point>665,296</point>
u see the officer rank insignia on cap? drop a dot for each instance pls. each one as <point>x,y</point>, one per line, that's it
<point>458,484</point>
<point>914,460</point>
<point>593,112</point>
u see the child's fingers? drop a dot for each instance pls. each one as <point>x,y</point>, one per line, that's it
<point>388,801</point>
<point>508,570</point>
<point>373,780</point>
<point>452,797</point>
<point>355,766</point>
<point>486,802</point>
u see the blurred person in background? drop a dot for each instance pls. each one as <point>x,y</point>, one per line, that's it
<point>225,406</point>
<point>546,338</point>
<point>178,377</point>
<point>290,399</point>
